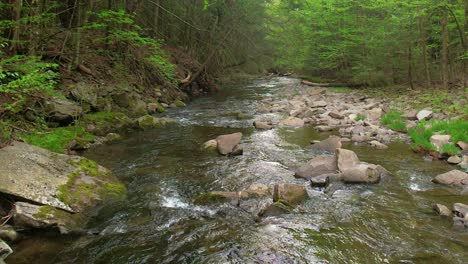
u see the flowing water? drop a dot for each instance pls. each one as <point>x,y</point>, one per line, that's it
<point>165,169</point>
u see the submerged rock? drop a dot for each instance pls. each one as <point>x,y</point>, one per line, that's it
<point>226,144</point>
<point>317,166</point>
<point>376,144</point>
<point>329,145</point>
<point>70,183</point>
<point>210,144</point>
<point>262,125</point>
<point>453,178</point>
<point>442,210</point>
<point>292,194</point>
<point>275,209</point>
<point>218,197</point>
<point>292,122</point>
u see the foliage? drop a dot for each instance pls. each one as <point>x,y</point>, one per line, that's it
<point>58,139</point>
<point>422,134</point>
<point>21,76</point>
<point>5,133</point>
<point>393,119</point>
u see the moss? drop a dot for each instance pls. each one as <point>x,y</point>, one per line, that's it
<point>78,195</point>
<point>160,108</point>
<point>394,120</point>
<point>69,221</point>
<point>58,139</point>
<point>211,198</point>
<point>105,122</point>
<point>179,103</point>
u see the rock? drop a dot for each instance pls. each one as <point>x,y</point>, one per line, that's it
<point>5,250</point>
<point>460,210</point>
<point>148,121</point>
<point>324,128</point>
<point>440,140</point>
<point>210,144</point>
<point>322,180</point>
<point>85,94</point>
<point>410,124</point>
<point>454,160</point>
<point>27,216</point>
<point>376,144</point>
<point>62,111</point>
<point>346,159</point>
<point>179,103</point>
<point>237,151</point>
<point>358,138</point>
<point>345,140</point>
<point>275,209</point>
<point>164,105</point>
<point>374,114</point>
<point>257,190</point>
<point>292,194</point>
<point>411,115</point>
<point>8,233</point>
<point>424,115</point>
<point>442,210</point>
<point>336,115</point>
<point>70,183</point>
<point>358,130</point>
<point>155,108</point>
<point>319,104</point>
<point>317,166</point>
<point>111,137</point>
<point>362,173</point>
<point>138,108</point>
<point>329,145</point>
<point>262,125</point>
<point>218,197</point>
<point>292,122</point>
<point>453,178</point>
<point>227,143</point>
<point>463,146</point>
<point>353,117</point>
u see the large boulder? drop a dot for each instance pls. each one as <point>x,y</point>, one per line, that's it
<point>292,194</point>
<point>62,110</point>
<point>362,173</point>
<point>70,183</point>
<point>424,115</point>
<point>440,140</point>
<point>346,159</point>
<point>227,143</point>
<point>292,122</point>
<point>85,94</point>
<point>317,166</point>
<point>329,145</point>
<point>453,178</point>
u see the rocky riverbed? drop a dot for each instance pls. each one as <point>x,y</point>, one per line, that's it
<point>288,174</point>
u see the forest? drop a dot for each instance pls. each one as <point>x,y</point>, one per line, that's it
<point>233,131</point>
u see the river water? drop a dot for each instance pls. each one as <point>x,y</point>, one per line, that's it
<point>165,169</point>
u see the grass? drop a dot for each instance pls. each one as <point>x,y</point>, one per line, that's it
<point>394,120</point>
<point>422,134</point>
<point>340,89</point>
<point>360,117</point>
<point>58,139</point>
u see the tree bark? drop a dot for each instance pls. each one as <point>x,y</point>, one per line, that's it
<point>423,43</point>
<point>410,67</point>
<point>156,18</point>
<point>445,73</point>
<point>15,45</point>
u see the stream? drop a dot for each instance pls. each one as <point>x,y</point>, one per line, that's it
<point>165,169</point>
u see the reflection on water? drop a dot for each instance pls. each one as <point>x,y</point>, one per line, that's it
<point>165,169</point>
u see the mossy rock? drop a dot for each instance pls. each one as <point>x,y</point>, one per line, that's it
<point>148,122</point>
<point>105,122</point>
<point>179,103</point>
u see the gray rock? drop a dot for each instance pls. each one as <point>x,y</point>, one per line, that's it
<point>227,143</point>
<point>442,210</point>
<point>374,114</point>
<point>439,140</point>
<point>57,180</point>
<point>262,125</point>
<point>362,173</point>
<point>62,110</point>
<point>27,216</point>
<point>454,160</point>
<point>346,159</point>
<point>376,144</point>
<point>336,115</point>
<point>148,122</point>
<point>257,190</point>
<point>317,166</point>
<point>319,104</point>
<point>324,180</point>
<point>85,94</point>
<point>324,128</point>
<point>292,122</point>
<point>452,178</point>
<point>8,233</point>
<point>292,194</point>
<point>460,210</point>
<point>424,115</point>
<point>329,145</point>
<point>411,115</point>
<point>275,209</point>
<point>463,146</point>
<point>237,151</point>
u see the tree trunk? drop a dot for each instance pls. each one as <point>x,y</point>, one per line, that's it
<point>465,52</point>
<point>15,44</point>
<point>423,43</point>
<point>156,18</point>
<point>444,49</point>
<point>410,67</point>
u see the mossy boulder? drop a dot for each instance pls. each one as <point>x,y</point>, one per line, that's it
<point>148,122</point>
<point>106,122</point>
<point>69,185</point>
<point>155,108</point>
<point>179,103</point>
